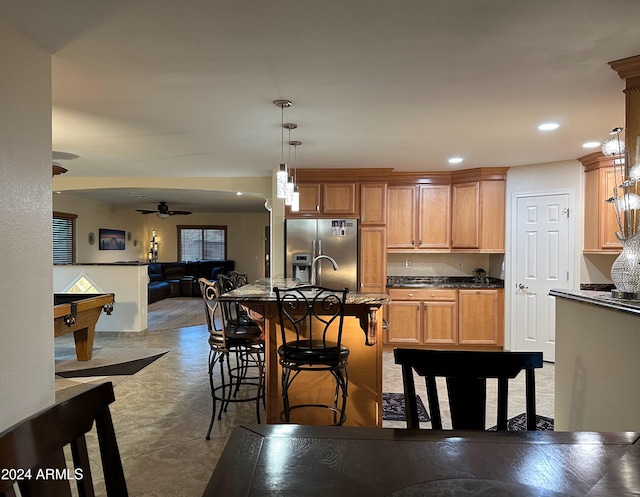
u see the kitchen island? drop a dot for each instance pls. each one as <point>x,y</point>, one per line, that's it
<point>361,333</point>
<point>597,365</point>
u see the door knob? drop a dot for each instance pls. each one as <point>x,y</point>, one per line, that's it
<point>522,287</point>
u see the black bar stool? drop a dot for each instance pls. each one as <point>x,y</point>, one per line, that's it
<point>316,315</point>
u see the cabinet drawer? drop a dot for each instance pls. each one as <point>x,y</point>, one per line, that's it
<point>442,294</point>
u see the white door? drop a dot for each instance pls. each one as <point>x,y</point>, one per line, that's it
<point>542,262</point>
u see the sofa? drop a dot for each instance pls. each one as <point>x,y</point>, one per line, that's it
<point>180,279</point>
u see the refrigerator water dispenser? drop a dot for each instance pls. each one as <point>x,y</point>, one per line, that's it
<point>302,267</point>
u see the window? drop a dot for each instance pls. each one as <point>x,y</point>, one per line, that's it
<point>64,238</point>
<point>202,242</point>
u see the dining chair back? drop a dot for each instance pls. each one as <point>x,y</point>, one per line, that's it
<point>32,452</point>
<point>466,374</point>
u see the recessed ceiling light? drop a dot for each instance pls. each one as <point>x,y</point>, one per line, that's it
<point>591,144</point>
<point>548,126</point>
<point>455,160</point>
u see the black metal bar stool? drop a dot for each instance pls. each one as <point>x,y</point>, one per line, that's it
<point>316,315</point>
<point>228,339</point>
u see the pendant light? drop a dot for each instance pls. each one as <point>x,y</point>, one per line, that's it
<point>289,188</point>
<point>295,203</point>
<point>282,175</point>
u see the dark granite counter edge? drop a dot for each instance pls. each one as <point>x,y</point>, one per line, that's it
<point>262,291</point>
<point>446,285</point>
<point>602,299</point>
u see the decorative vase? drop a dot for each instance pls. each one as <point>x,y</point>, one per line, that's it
<point>625,271</point>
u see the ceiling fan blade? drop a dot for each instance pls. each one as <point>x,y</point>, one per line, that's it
<point>146,212</point>
<point>179,213</point>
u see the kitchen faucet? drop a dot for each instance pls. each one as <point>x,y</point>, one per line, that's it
<point>313,266</point>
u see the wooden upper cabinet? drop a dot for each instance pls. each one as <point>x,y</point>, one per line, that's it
<point>401,217</point>
<point>339,199</point>
<point>372,270</point>
<point>600,223</point>
<point>478,215</point>
<point>373,204</point>
<point>465,222</point>
<point>309,199</point>
<point>434,218</point>
<point>326,199</point>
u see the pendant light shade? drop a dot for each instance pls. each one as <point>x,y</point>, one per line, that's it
<point>295,204</point>
<point>288,199</point>
<point>281,180</point>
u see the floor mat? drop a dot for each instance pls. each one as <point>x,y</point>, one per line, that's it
<point>121,369</point>
<point>393,408</point>
<point>519,423</point>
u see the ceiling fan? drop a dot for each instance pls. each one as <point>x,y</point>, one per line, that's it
<point>163,211</point>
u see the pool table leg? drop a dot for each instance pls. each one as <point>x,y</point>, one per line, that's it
<point>84,342</point>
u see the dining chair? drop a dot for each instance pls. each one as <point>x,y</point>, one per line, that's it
<point>314,316</point>
<point>32,452</point>
<point>466,374</point>
<point>228,338</point>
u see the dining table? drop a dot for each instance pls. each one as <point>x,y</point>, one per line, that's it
<point>288,460</point>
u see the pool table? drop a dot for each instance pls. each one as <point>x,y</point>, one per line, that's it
<point>78,314</point>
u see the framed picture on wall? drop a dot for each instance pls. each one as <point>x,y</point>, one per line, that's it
<point>111,239</point>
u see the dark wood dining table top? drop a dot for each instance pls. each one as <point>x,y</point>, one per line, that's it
<point>312,461</point>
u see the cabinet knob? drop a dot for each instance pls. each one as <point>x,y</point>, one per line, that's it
<point>411,295</point>
<point>433,294</point>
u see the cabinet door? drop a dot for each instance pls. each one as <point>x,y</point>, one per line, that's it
<point>404,323</point>
<point>309,199</point>
<point>607,220</point>
<point>373,260</point>
<point>481,317</point>
<point>401,204</point>
<point>339,198</point>
<point>600,222</point>
<point>465,215</point>
<point>434,217</point>
<point>373,203</point>
<point>440,323</point>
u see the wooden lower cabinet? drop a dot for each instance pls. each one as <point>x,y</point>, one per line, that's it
<point>481,317</point>
<point>422,317</point>
<point>445,318</point>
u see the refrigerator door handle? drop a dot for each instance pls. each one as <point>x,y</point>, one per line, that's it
<point>319,247</point>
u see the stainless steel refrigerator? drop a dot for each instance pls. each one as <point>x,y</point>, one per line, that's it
<point>337,238</point>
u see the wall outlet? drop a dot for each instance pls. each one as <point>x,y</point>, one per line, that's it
<point>407,264</point>
<point>460,264</point>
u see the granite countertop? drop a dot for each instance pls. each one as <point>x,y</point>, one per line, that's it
<point>262,291</point>
<point>599,298</point>
<point>441,282</point>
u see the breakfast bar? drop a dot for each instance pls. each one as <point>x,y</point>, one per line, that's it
<point>361,334</point>
<point>597,366</point>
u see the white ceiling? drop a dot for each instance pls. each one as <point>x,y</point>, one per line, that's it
<point>185,88</point>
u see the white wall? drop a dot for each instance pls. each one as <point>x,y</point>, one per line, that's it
<point>26,303</point>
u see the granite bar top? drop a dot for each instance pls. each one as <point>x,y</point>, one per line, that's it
<point>262,291</point>
<point>599,298</point>
<point>441,282</point>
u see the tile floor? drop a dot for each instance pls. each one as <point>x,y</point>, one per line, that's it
<point>161,414</point>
